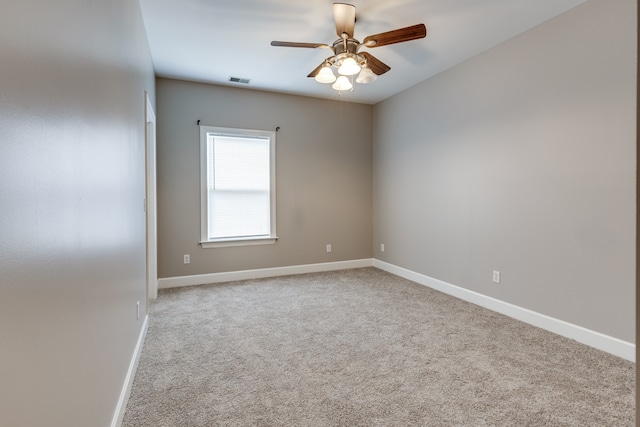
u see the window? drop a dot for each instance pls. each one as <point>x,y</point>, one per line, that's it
<point>237,187</point>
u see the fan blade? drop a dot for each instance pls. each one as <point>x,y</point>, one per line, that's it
<point>377,66</point>
<point>345,17</point>
<point>295,44</point>
<point>318,68</point>
<point>316,71</point>
<point>396,36</point>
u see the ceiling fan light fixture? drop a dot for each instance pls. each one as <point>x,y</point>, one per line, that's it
<point>325,75</point>
<point>366,76</point>
<point>349,67</point>
<point>342,83</point>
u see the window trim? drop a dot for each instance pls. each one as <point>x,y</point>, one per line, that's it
<point>205,242</point>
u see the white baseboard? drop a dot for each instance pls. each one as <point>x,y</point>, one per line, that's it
<point>128,381</point>
<point>603,342</point>
<point>203,279</point>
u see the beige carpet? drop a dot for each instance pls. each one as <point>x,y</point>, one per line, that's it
<point>362,348</point>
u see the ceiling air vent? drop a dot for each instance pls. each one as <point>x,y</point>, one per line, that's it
<point>239,80</point>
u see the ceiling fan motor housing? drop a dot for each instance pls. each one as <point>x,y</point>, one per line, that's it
<point>344,48</point>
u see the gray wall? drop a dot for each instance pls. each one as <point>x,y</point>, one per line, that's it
<point>324,160</point>
<point>72,227</point>
<point>522,160</point>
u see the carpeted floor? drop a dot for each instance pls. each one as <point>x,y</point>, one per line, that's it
<point>362,348</point>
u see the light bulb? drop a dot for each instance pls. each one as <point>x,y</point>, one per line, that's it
<point>349,67</point>
<point>366,76</point>
<point>325,75</point>
<point>342,83</point>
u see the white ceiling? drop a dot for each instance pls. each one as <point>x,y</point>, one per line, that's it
<point>212,40</point>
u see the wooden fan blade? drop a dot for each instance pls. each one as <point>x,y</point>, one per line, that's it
<point>318,68</point>
<point>345,17</point>
<point>295,44</point>
<point>377,66</point>
<point>396,36</point>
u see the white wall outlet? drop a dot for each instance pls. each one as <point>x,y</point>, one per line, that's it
<point>187,258</point>
<point>138,310</point>
<point>381,247</point>
<point>496,276</point>
<point>328,248</point>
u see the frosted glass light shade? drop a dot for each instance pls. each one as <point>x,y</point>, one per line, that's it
<point>342,83</point>
<point>366,76</point>
<point>349,67</point>
<point>325,75</point>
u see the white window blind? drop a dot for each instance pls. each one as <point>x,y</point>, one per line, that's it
<point>238,182</point>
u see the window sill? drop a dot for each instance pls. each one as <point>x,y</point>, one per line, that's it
<point>248,241</point>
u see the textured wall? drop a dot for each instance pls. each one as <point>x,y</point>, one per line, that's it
<point>323,177</point>
<point>72,247</point>
<point>522,160</point>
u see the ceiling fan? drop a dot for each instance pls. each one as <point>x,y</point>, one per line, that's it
<point>347,57</point>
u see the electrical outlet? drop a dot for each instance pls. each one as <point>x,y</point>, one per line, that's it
<point>328,248</point>
<point>496,276</point>
<point>381,247</point>
<point>138,310</point>
<point>187,259</point>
